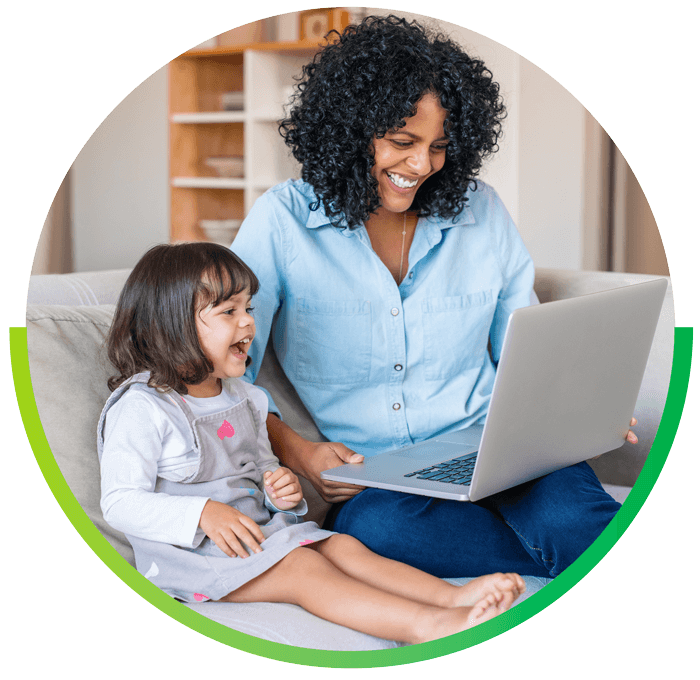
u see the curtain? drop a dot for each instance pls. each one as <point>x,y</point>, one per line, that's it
<point>54,253</point>
<point>635,241</point>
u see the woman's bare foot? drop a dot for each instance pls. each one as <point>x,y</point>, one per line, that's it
<point>505,589</point>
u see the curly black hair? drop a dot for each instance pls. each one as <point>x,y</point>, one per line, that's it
<point>364,84</point>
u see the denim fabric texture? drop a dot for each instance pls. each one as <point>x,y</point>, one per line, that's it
<point>378,365</point>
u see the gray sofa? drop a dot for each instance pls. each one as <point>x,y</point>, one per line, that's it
<point>68,317</point>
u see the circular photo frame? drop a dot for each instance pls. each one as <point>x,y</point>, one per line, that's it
<point>682,351</point>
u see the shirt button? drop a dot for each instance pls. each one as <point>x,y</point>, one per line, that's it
<point>398,367</point>
<point>397,407</point>
<point>394,311</point>
<point>410,275</point>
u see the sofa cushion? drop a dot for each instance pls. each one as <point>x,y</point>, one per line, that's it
<point>294,413</point>
<point>295,626</point>
<point>69,370</point>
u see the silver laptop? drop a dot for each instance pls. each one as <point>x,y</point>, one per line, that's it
<point>565,391</point>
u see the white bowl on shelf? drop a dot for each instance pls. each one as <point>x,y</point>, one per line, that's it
<point>232,101</point>
<point>226,166</point>
<point>220,231</point>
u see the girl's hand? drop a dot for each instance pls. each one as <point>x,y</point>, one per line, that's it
<point>283,488</point>
<point>230,529</point>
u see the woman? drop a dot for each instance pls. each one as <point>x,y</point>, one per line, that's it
<point>387,277</point>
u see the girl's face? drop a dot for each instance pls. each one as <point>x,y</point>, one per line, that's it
<point>406,157</point>
<point>225,333</point>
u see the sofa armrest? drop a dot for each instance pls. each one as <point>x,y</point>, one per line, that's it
<point>81,288</point>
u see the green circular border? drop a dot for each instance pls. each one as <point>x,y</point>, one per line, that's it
<point>680,376</point>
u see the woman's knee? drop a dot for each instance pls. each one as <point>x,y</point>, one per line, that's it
<point>376,515</point>
<point>557,517</point>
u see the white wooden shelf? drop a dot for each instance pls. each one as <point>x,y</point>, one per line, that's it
<point>199,131</point>
<point>209,117</point>
<point>208,182</point>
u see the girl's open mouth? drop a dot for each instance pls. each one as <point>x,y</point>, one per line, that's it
<point>242,346</point>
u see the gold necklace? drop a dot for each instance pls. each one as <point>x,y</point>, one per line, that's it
<point>403,246</point>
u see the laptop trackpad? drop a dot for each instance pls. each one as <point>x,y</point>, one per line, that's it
<point>434,450</point>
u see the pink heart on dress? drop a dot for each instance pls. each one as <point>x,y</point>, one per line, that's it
<point>199,597</point>
<point>306,542</point>
<point>226,430</point>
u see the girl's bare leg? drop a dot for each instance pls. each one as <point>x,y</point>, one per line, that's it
<point>308,579</point>
<point>354,559</point>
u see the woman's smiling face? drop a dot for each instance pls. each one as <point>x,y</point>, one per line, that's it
<point>404,158</point>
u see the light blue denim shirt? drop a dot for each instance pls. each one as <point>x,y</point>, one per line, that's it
<point>379,365</point>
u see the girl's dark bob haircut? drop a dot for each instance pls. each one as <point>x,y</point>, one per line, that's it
<point>365,84</point>
<point>154,327</point>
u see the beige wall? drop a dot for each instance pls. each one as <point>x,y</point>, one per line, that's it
<point>550,172</point>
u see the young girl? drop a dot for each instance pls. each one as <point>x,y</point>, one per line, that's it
<point>189,476</point>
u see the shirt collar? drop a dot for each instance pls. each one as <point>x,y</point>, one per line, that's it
<point>464,218</point>
<point>318,218</point>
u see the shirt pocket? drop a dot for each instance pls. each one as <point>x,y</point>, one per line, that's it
<point>456,333</point>
<point>333,341</point>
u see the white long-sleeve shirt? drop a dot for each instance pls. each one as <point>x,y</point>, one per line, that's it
<point>146,437</point>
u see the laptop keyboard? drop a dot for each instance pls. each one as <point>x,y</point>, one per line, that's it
<point>456,471</point>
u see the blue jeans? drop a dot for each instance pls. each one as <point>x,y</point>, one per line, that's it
<point>538,528</point>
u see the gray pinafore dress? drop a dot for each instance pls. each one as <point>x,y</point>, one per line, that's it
<point>226,443</point>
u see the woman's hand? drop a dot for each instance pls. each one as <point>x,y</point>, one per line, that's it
<point>230,529</point>
<point>324,456</point>
<point>283,488</point>
<point>310,459</point>
<point>631,436</point>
